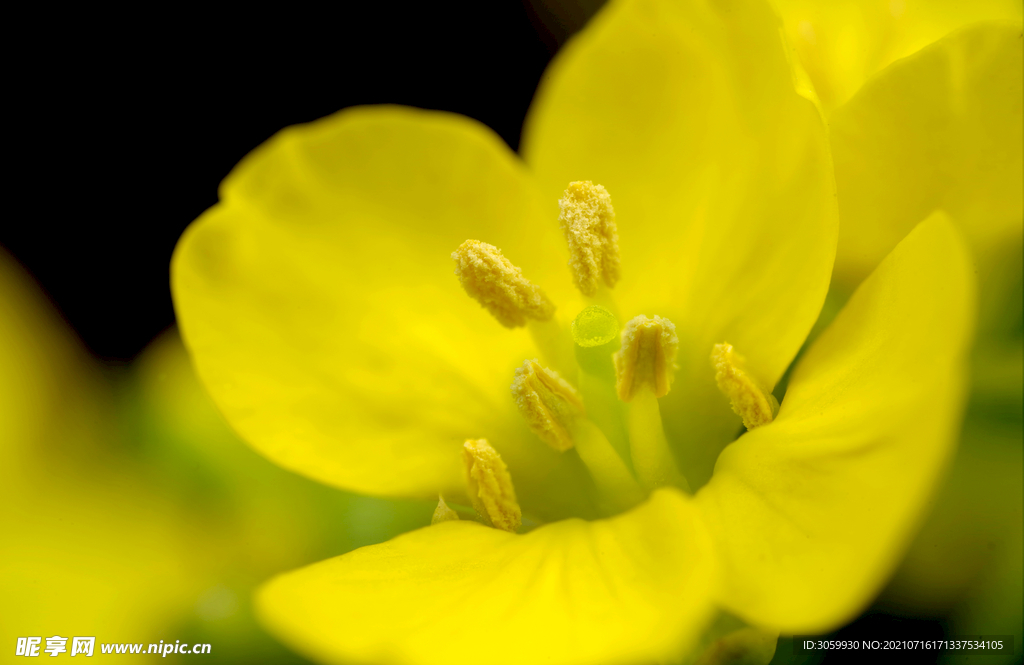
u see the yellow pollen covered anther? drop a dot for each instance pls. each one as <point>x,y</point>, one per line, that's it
<point>751,401</point>
<point>548,403</point>
<point>490,486</point>
<point>647,357</point>
<point>498,285</point>
<point>588,221</point>
<point>443,513</point>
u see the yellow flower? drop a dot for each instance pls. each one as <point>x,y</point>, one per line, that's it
<point>843,43</point>
<point>940,130</point>
<point>697,203</point>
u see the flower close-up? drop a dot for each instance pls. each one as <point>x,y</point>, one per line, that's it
<point>593,399</point>
<point>569,332</point>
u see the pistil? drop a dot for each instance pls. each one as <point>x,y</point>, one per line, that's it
<point>595,334</point>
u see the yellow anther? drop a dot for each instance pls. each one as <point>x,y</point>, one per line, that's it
<point>751,401</point>
<point>588,221</point>
<point>647,357</point>
<point>492,280</point>
<point>490,486</point>
<point>548,403</point>
<point>443,513</point>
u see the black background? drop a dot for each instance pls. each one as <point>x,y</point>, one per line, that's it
<point>122,135</point>
<point>119,134</point>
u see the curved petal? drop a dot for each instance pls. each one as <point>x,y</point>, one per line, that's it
<point>634,588</point>
<point>319,303</point>
<point>938,130</point>
<point>721,180</point>
<point>812,512</point>
<point>842,43</point>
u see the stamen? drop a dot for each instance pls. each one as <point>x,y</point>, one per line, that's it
<point>645,366</point>
<point>548,403</point>
<point>647,357</point>
<point>554,411</point>
<point>490,486</point>
<point>588,221</point>
<point>492,280</point>
<point>751,401</point>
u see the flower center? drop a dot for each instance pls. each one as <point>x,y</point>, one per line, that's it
<point>604,406</point>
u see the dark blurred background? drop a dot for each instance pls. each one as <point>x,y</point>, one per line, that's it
<point>121,138</point>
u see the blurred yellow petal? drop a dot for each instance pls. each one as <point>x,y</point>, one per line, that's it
<point>44,371</point>
<point>842,43</point>
<point>812,512</point>
<point>88,548</point>
<point>721,180</point>
<point>320,305</point>
<point>634,588</point>
<point>939,130</point>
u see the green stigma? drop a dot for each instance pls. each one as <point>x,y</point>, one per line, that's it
<point>594,326</point>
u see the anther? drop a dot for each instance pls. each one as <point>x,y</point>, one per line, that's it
<point>751,401</point>
<point>588,221</point>
<point>490,486</point>
<point>499,286</point>
<point>443,513</point>
<point>548,403</point>
<point>647,358</point>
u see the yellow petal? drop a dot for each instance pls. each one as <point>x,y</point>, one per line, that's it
<point>634,588</point>
<point>89,546</point>
<point>939,130</point>
<point>842,43</point>
<point>686,112</point>
<point>812,512</point>
<point>45,372</point>
<point>320,305</point>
